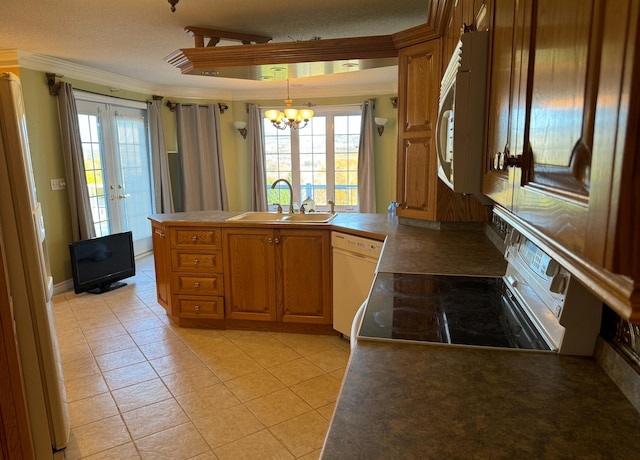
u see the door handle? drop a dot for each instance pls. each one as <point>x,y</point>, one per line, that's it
<point>120,197</point>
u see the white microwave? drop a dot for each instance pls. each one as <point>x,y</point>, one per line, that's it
<point>461,115</point>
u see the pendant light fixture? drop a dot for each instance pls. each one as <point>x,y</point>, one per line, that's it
<point>173,4</point>
<point>292,118</point>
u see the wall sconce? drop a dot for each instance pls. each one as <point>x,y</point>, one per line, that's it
<point>241,126</point>
<point>380,122</point>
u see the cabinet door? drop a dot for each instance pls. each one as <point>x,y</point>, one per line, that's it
<point>249,274</point>
<point>160,260</point>
<point>506,108</point>
<point>553,191</point>
<point>418,89</point>
<point>304,289</point>
<point>418,196</point>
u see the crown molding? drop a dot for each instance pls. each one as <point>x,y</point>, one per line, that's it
<point>17,58</point>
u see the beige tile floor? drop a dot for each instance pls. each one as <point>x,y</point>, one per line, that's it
<point>139,387</point>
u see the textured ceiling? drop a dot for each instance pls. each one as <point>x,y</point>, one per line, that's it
<point>132,37</point>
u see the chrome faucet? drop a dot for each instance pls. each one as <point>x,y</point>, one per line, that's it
<point>290,192</point>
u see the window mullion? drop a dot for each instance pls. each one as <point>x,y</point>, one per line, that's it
<point>331,175</point>
<point>295,166</point>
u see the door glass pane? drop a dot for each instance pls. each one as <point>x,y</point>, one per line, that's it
<point>346,146</point>
<point>90,136</point>
<point>313,165</point>
<point>134,186</point>
<point>277,152</point>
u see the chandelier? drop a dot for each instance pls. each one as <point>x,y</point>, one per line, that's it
<point>292,118</point>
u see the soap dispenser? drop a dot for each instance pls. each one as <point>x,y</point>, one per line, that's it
<point>309,205</point>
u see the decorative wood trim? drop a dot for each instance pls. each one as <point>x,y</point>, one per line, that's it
<point>200,33</point>
<point>434,27</point>
<point>375,47</point>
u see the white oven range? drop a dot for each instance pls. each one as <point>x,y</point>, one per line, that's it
<point>536,305</point>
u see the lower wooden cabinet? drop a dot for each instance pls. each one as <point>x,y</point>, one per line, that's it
<point>250,277</point>
<point>160,259</point>
<point>198,308</point>
<point>277,275</point>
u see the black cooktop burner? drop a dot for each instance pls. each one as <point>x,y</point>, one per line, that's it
<point>464,310</point>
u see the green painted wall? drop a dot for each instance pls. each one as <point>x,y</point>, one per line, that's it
<point>48,163</point>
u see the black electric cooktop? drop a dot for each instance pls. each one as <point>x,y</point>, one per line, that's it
<point>461,310</point>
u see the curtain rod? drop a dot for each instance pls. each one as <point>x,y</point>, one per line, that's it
<point>54,81</point>
<point>172,106</point>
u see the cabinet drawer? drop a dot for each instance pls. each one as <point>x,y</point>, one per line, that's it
<point>193,307</point>
<point>196,261</point>
<point>191,237</point>
<point>198,284</point>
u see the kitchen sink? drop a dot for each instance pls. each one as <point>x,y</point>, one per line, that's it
<point>257,217</point>
<point>319,217</point>
<point>310,218</point>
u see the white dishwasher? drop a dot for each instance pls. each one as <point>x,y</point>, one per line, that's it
<point>354,266</point>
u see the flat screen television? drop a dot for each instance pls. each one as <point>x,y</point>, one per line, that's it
<point>98,264</point>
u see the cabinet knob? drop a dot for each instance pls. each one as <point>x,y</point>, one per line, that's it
<point>277,240</point>
<point>194,238</point>
<point>270,240</point>
<point>197,308</point>
<point>196,261</point>
<point>196,284</point>
<point>502,161</point>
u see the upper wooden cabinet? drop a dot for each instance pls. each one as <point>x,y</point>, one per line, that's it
<point>562,135</point>
<point>418,90</point>
<point>420,194</point>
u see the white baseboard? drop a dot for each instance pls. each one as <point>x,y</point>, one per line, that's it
<point>63,287</point>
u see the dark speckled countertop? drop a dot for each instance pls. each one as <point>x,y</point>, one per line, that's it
<point>404,401</point>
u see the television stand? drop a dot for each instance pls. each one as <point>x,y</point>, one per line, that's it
<point>107,287</point>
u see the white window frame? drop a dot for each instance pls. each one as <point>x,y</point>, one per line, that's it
<point>324,111</point>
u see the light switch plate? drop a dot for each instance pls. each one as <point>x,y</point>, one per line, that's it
<point>58,184</point>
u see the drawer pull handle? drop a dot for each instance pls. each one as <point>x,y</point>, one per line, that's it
<point>197,308</point>
<point>194,238</point>
<point>196,262</point>
<point>197,284</point>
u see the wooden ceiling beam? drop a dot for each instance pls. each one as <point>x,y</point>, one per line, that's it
<point>203,58</point>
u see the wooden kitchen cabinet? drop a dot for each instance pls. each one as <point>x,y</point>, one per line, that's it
<point>249,263</point>
<point>420,194</point>
<point>277,275</point>
<point>160,259</point>
<point>506,95</point>
<point>562,136</point>
<point>196,277</point>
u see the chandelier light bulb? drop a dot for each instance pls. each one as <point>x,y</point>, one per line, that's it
<point>290,117</point>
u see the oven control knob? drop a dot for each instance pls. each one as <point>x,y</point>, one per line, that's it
<point>558,283</point>
<point>553,268</point>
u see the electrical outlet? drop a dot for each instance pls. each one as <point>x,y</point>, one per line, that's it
<point>58,184</point>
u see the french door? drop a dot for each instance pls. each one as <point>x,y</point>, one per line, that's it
<point>117,165</point>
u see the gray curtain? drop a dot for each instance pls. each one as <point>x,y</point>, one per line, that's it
<point>203,181</point>
<point>159,159</point>
<point>80,207</point>
<point>366,169</point>
<point>256,154</point>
